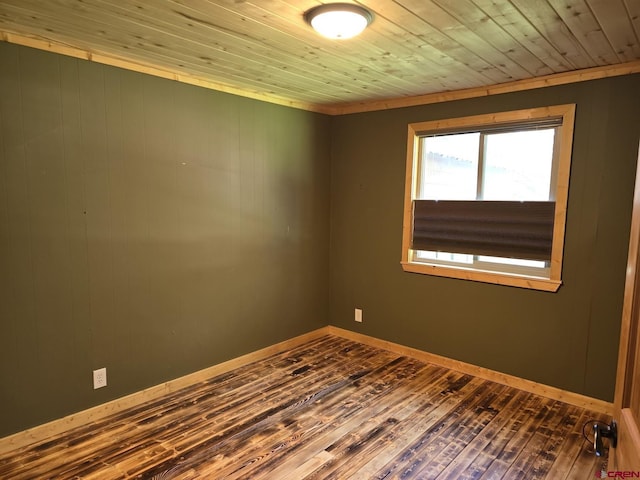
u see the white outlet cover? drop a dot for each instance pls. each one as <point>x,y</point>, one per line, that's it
<point>99,378</point>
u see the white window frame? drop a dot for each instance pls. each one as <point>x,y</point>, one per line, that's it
<point>518,278</point>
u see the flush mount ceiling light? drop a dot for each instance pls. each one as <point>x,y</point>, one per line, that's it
<point>338,20</point>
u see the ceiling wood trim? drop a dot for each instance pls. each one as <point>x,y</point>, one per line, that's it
<point>98,57</point>
<point>337,109</point>
<point>516,86</point>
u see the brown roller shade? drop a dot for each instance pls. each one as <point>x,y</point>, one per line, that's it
<point>495,228</point>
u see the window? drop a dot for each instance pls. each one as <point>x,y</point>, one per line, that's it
<point>486,197</point>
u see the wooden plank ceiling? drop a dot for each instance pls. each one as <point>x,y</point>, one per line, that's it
<point>264,49</point>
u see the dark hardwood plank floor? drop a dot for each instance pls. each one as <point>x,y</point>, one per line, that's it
<point>329,409</point>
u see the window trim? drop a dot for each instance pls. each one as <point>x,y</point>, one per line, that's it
<point>564,143</point>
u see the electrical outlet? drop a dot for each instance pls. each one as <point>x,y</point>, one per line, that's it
<point>358,315</point>
<point>99,378</point>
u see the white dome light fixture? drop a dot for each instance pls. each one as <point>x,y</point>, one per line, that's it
<point>338,20</point>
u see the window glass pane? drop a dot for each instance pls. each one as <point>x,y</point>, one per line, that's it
<point>444,256</point>
<point>518,165</point>
<point>449,167</point>
<point>513,261</point>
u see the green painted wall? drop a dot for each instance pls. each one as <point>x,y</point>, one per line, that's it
<point>156,228</point>
<point>567,339</point>
<point>146,226</point>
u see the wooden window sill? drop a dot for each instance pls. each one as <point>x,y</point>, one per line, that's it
<point>521,281</point>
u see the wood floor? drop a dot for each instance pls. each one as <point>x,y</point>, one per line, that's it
<point>329,409</point>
